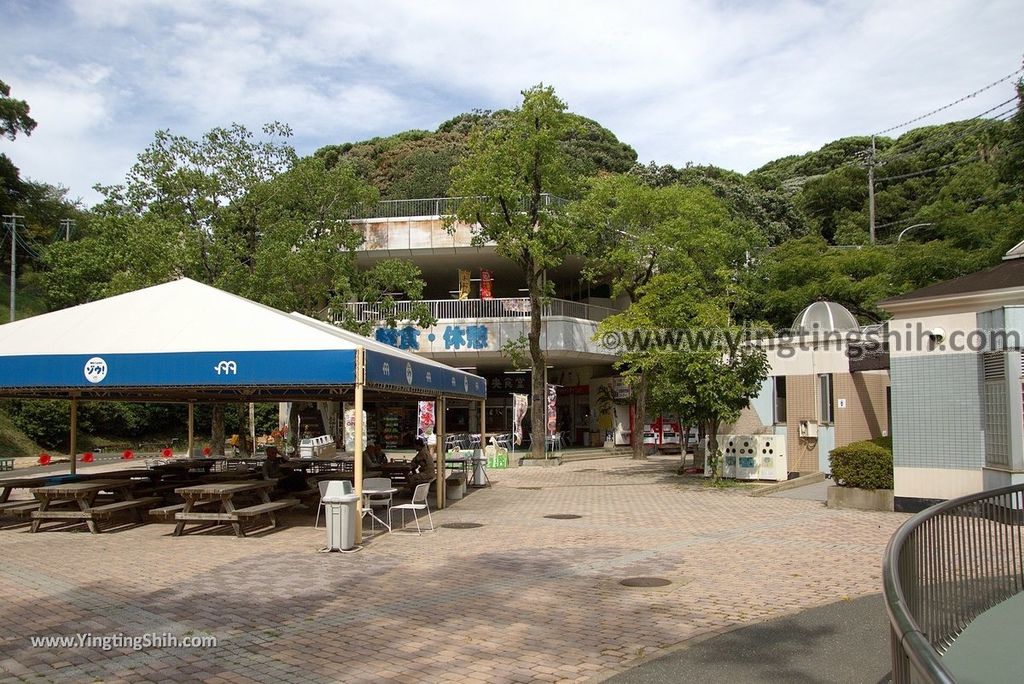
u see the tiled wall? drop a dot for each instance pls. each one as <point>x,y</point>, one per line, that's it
<point>937,411</point>
<point>865,414</point>
<point>801,404</point>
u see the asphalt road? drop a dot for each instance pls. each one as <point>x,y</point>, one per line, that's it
<point>842,642</point>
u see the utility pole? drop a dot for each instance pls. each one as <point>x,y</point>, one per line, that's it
<point>67,225</point>
<point>871,191</point>
<point>11,223</point>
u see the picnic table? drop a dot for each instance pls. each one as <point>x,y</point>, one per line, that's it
<point>84,494</point>
<point>224,494</point>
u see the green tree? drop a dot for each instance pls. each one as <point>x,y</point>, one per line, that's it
<point>14,116</point>
<point>516,169</point>
<point>647,236</point>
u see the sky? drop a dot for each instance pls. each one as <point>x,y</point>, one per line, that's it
<point>735,83</point>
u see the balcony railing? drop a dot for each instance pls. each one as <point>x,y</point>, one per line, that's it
<point>509,307</point>
<point>433,206</point>
<point>942,569</point>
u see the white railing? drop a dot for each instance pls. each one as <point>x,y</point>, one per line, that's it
<point>431,206</point>
<point>508,307</point>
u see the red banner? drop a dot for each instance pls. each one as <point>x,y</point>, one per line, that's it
<point>486,282</point>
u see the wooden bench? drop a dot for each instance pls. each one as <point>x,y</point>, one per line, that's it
<point>22,509</point>
<point>265,509</point>
<point>130,505</point>
<point>167,512</point>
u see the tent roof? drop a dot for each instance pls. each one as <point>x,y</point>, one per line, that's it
<point>191,336</point>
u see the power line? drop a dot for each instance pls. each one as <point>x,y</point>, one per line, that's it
<point>952,104</point>
<point>923,146</point>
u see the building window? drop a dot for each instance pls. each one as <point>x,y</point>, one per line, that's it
<point>780,399</point>
<point>825,383</point>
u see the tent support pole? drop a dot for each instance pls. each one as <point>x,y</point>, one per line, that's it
<point>483,427</point>
<point>357,457</point>
<point>439,423</point>
<point>191,428</point>
<point>74,435</point>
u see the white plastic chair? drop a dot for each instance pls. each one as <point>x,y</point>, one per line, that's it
<point>330,488</point>
<point>418,503</point>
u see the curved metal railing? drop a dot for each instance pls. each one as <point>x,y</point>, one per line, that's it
<point>942,569</point>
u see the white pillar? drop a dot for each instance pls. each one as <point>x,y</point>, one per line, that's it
<point>358,442</point>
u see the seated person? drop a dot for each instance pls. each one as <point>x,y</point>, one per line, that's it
<point>423,469</point>
<point>287,480</point>
<point>378,456</point>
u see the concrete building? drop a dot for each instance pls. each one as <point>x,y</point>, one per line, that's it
<point>823,390</point>
<point>956,385</point>
<point>471,332</point>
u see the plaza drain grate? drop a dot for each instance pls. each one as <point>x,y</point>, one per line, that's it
<point>645,582</point>
<point>462,525</point>
<point>563,516</point>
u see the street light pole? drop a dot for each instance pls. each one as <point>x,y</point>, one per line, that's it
<point>904,231</point>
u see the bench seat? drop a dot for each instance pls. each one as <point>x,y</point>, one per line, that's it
<point>108,509</point>
<point>263,508</point>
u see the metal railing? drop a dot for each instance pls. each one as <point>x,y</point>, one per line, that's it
<point>942,569</point>
<point>508,307</point>
<point>431,206</point>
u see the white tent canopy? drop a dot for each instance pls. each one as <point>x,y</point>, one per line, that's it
<point>191,340</point>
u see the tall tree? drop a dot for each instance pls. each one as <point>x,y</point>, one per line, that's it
<point>515,171</point>
<point>645,232</point>
<point>14,116</point>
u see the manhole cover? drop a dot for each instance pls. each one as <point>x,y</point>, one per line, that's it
<point>563,516</point>
<point>462,526</point>
<point>645,582</point>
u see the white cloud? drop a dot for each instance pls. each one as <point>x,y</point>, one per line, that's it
<point>734,83</point>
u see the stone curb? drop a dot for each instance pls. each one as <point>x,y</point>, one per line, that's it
<point>801,481</point>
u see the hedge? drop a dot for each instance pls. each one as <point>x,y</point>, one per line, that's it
<point>863,465</point>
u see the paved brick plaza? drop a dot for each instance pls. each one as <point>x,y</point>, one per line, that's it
<point>522,598</point>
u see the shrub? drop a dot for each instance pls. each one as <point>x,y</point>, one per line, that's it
<point>864,465</point>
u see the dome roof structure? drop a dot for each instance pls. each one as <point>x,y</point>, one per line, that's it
<point>825,317</point>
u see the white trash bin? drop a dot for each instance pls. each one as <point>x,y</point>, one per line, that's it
<point>479,469</point>
<point>341,517</point>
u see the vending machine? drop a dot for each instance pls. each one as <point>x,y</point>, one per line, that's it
<point>670,437</point>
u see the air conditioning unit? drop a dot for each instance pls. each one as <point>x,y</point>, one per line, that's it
<point>809,428</point>
<point>771,454</point>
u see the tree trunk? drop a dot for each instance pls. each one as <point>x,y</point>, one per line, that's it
<point>539,399</point>
<point>713,453</point>
<point>640,395</point>
<point>217,431</point>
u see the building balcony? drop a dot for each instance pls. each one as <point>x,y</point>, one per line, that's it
<point>504,307</point>
<point>473,332</point>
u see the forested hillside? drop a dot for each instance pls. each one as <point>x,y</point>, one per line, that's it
<point>243,211</point>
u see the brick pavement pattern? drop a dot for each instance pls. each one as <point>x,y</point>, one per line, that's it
<point>522,598</point>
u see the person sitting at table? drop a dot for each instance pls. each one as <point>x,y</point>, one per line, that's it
<point>377,455</point>
<point>289,481</point>
<point>422,465</point>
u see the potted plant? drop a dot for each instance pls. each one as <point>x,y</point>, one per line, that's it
<point>862,472</point>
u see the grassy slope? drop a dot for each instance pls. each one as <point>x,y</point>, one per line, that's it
<point>13,441</point>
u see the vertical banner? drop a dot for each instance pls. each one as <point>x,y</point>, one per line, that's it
<point>520,403</point>
<point>425,417</point>
<point>486,284</point>
<point>552,409</point>
<point>464,284</point>
<point>350,428</point>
